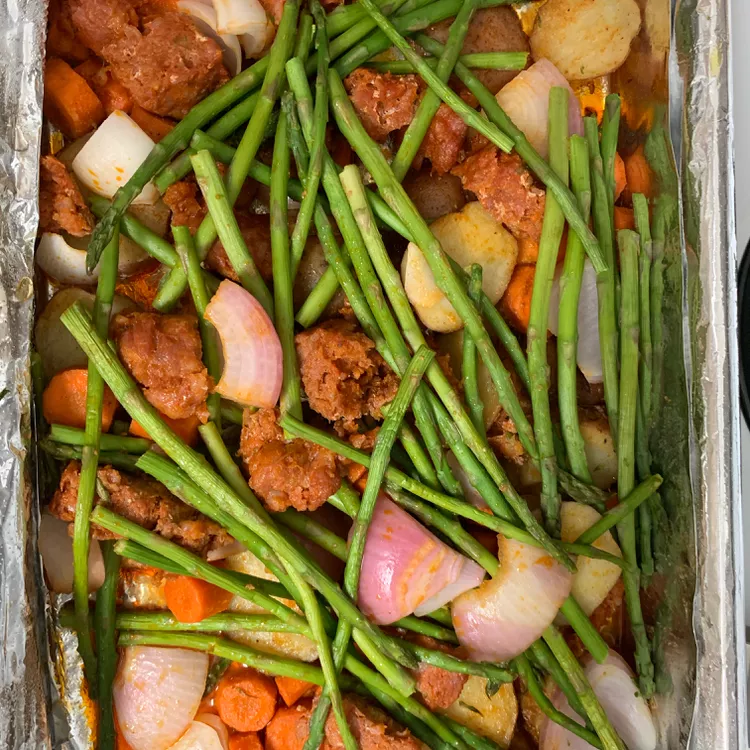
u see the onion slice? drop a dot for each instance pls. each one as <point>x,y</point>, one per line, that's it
<point>111,156</point>
<point>615,687</point>
<point>247,19</point>
<point>506,614</point>
<point>589,353</point>
<point>526,101</point>
<point>217,725</point>
<point>157,692</point>
<point>199,736</point>
<point>405,568</point>
<point>252,350</point>
<point>204,17</point>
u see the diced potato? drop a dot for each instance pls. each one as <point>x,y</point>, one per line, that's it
<point>585,38</point>
<point>468,236</point>
<point>494,718</point>
<point>600,450</point>
<point>594,578</point>
<point>281,644</point>
<point>656,21</point>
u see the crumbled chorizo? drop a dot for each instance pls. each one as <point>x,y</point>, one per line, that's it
<point>506,189</point>
<point>444,140</point>
<point>183,200</point>
<point>168,66</point>
<point>438,688</point>
<point>142,501</point>
<point>383,102</point>
<point>163,353</point>
<point>294,473</point>
<point>372,728</point>
<point>61,205</point>
<point>62,40</point>
<point>256,231</point>
<point>343,376</point>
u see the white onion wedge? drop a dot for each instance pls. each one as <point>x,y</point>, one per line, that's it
<point>526,101</point>
<point>157,692</point>
<point>247,19</point>
<point>406,568</point>
<point>204,17</point>
<point>56,549</point>
<point>589,353</point>
<point>199,736</point>
<point>222,553</point>
<point>252,351</point>
<point>217,725</point>
<point>506,614</point>
<point>111,156</point>
<point>614,686</point>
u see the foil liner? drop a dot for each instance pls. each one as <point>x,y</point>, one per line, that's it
<point>699,653</point>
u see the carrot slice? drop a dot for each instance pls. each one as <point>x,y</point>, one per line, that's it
<point>69,102</point>
<point>289,728</point>
<point>246,700</point>
<point>624,218</point>
<point>516,302</point>
<point>621,178</point>
<point>192,600</point>
<point>638,173</point>
<point>154,127</point>
<point>245,741</point>
<point>186,428</point>
<point>291,690</point>
<point>64,400</point>
<point>112,94</point>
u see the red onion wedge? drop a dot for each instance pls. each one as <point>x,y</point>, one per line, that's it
<point>618,694</point>
<point>505,615</point>
<point>157,692</point>
<point>526,101</point>
<point>252,350</point>
<point>407,569</point>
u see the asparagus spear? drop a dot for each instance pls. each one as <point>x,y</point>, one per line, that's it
<point>554,223</point>
<point>628,242</point>
<point>105,292</point>
<point>75,436</point>
<point>469,360</point>
<point>481,60</point>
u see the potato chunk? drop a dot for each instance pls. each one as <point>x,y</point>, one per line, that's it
<point>585,38</point>
<point>468,236</point>
<point>600,449</point>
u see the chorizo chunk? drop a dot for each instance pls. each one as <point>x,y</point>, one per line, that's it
<point>372,728</point>
<point>444,139</point>
<point>142,501</point>
<point>61,205</point>
<point>343,376</point>
<point>182,199</point>
<point>383,102</point>
<point>168,66</point>
<point>284,474</point>
<point>438,688</point>
<point>256,231</point>
<point>506,189</point>
<point>163,353</point>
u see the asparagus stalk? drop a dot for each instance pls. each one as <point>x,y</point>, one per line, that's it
<point>417,625</point>
<point>610,136</point>
<point>469,360</point>
<point>104,626</point>
<point>61,452</point>
<point>605,279</point>
<point>225,223</point>
<point>481,60</point>
<point>526,151</point>
<point>192,267</point>
<point>642,223</point>
<point>567,334</point>
<point>554,223</point>
<point>628,243</point>
<point>61,433</point>
<point>308,527</point>
<point>542,656</point>
<point>430,103</point>
<point>105,292</point>
<point>127,393</point>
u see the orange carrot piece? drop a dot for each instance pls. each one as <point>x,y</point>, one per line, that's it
<point>64,400</point>
<point>192,600</point>
<point>155,127</point>
<point>291,690</point>
<point>638,172</point>
<point>289,728</point>
<point>112,94</point>
<point>245,741</point>
<point>624,218</point>
<point>246,700</point>
<point>621,177</point>
<point>186,428</point>
<point>516,302</point>
<point>69,102</point>
<point>528,250</point>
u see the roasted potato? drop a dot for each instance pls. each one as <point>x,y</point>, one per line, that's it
<point>594,578</point>
<point>468,236</point>
<point>600,448</point>
<point>434,195</point>
<point>491,30</point>
<point>585,38</point>
<point>494,717</point>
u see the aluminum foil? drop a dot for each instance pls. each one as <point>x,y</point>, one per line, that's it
<point>699,649</point>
